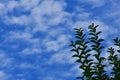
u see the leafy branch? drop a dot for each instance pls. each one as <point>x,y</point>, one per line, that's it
<point>80,46</point>
<point>88,53</point>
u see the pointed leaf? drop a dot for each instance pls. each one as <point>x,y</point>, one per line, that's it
<point>99,32</point>
<point>78,60</point>
<point>100,40</point>
<point>75,55</point>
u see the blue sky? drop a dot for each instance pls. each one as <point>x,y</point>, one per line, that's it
<point>35,35</point>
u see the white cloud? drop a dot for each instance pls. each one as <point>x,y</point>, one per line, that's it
<point>27,37</point>
<point>11,5</point>
<point>49,16</point>
<point>52,45</point>
<point>26,65</point>
<point>3,75</point>
<point>42,16</point>
<point>113,12</point>
<point>28,4</point>
<point>22,35</point>
<point>76,71</point>
<point>55,45</point>
<point>21,20</point>
<point>30,51</point>
<point>62,57</point>
<point>2,8</point>
<point>82,16</point>
<point>5,60</point>
<point>55,32</point>
<point>12,35</point>
<point>25,5</point>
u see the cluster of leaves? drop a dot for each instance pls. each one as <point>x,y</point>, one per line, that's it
<point>114,59</point>
<point>88,53</point>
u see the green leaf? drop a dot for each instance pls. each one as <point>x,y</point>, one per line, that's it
<point>87,51</point>
<point>72,44</point>
<point>101,59</point>
<point>98,32</point>
<point>101,47</point>
<point>77,36</point>
<point>116,40</point>
<point>82,67</point>
<point>91,63</point>
<point>111,50</point>
<point>83,36</point>
<point>92,25</point>
<point>88,55</point>
<point>76,29</point>
<point>93,40</point>
<point>75,55</point>
<point>96,26</point>
<point>96,56</point>
<point>94,48</point>
<point>118,51</point>
<point>93,34</point>
<point>100,40</point>
<point>84,47</point>
<point>75,50</point>
<point>78,60</point>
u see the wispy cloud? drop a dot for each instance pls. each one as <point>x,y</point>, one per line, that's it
<point>3,75</point>
<point>63,57</point>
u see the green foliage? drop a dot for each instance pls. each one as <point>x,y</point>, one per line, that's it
<point>114,59</point>
<point>88,53</point>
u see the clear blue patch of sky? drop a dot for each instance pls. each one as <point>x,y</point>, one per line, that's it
<point>71,4</point>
